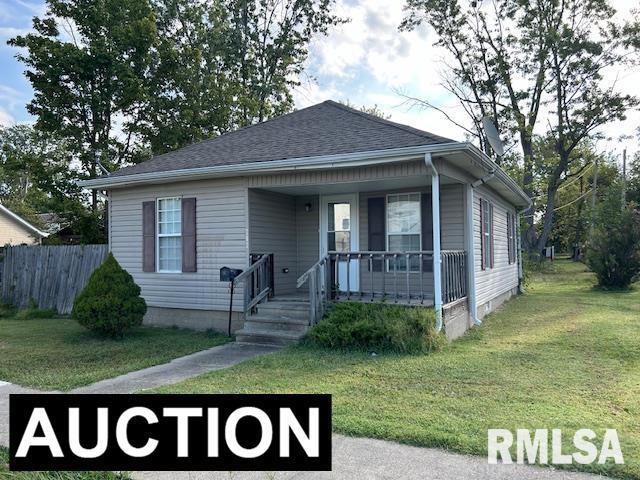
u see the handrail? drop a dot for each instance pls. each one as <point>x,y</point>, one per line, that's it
<point>252,268</point>
<point>303,278</point>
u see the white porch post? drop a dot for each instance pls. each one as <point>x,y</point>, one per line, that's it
<point>437,260</point>
<point>471,260</point>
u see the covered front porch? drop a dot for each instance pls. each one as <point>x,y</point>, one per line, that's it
<point>335,235</point>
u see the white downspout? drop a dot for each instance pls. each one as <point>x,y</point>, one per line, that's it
<point>519,253</point>
<point>471,261</point>
<point>437,260</point>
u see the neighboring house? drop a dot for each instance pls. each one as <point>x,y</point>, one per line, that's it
<point>15,230</point>
<point>323,204</point>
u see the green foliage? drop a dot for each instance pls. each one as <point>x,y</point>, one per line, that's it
<point>7,310</point>
<point>57,475</point>
<point>34,312</point>
<point>110,302</point>
<point>614,250</point>
<point>82,84</point>
<point>376,327</point>
<point>224,64</point>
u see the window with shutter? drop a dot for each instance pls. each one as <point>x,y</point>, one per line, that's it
<point>486,233</point>
<point>169,235</point>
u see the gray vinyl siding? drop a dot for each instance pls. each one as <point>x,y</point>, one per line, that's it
<point>307,232</point>
<point>272,226</point>
<point>493,282</point>
<point>221,229</point>
<point>341,175</point>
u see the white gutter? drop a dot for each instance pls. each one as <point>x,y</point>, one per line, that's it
<point>372,157</point>
<point>302,163</point>
<point>23,222</point>
<point>437,257</point>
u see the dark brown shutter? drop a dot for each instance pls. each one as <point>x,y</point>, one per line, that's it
<point>509,236</point>
<point>149,236</point>
<point>483,246</point>
<point>189,258</point>
<point>377,228</point>
<point>426,205</point>
<point>491,233</point>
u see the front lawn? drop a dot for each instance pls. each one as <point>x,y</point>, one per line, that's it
<point>5,473</point>
<point>562,356</point>
<point>59,354</point>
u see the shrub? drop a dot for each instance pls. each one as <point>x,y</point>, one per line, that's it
<point>110,303</point>
<point>377,327</point>
<point>614,250</point>
<point>33,312</point>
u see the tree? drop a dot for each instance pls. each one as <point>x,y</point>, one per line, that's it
<point>36,178</point>
<point>614,251</point>
<point>513,59</point>
<point>86,62</point>
<point>224,64</point>
<point>34,172</point>
<point>374,110</point>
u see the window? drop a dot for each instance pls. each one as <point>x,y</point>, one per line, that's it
<point>511,237</point>
<point>486,232</point>
<point>169,230</point>
<point>403,229</point>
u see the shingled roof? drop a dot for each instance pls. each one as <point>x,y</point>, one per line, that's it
<point>328,128</point>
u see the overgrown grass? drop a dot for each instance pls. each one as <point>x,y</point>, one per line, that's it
<point>565,355</point>
<point>5,473</point>
<point>377,328</point>
<point>59,354</point>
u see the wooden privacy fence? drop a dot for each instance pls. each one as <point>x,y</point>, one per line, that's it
<point>51,276</point>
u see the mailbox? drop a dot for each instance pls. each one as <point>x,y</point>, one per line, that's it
<point>229,274</point>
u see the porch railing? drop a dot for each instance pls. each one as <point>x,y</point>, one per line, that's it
<point>398,277</point>
<point>454,275</point>
<point>258,280</point>
<point>317,277</point>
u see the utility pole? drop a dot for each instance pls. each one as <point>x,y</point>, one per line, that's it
<point>594,189</point>
<point>624,178</point>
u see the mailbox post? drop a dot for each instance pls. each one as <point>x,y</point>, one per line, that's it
<point>229,275</point>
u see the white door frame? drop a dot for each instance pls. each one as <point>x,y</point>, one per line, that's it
<point>354,200</point>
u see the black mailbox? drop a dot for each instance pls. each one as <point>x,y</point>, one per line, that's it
<point>229,274</point>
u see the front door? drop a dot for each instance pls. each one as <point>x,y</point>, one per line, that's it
<point>339,233</point>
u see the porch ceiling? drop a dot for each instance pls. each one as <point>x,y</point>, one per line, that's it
<point>363,186</point>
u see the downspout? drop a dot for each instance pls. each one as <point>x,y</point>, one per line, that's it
<point>519,251</point>
<point>437,260</point>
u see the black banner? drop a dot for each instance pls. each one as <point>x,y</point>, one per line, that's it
<point>170,432</point>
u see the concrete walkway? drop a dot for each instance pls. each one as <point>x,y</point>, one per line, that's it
<point>215,358</point>
<point>222,356</point>
<point>364,458</point>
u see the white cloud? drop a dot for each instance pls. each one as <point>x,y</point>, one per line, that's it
<point>5,118</point>
<point>368,60</point>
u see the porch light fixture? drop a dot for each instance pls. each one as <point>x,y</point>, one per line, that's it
<point>307,207</point>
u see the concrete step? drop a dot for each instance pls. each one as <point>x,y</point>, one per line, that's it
<point>252,325</point>
<point>268,318</point>
<point>267,337</point>
<point>281,310</point>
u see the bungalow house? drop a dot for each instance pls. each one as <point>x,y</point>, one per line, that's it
<point>15,230</point>
<point>324,204</point>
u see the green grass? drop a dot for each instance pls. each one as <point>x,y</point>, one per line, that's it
<point>59,354</point>
<point>5,473</point>
<point>562,356</point>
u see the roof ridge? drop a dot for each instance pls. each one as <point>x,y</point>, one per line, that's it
<point>406,128</point>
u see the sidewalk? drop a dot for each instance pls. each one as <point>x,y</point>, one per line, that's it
<point>364,458</point>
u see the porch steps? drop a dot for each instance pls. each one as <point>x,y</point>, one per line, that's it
<point>277,322</point>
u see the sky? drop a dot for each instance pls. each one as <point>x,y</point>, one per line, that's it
<point>365,62</point>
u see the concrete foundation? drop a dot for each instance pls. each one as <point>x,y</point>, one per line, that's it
<point>494,303</point>
<point>193,319</point>
<point>456,319</point>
